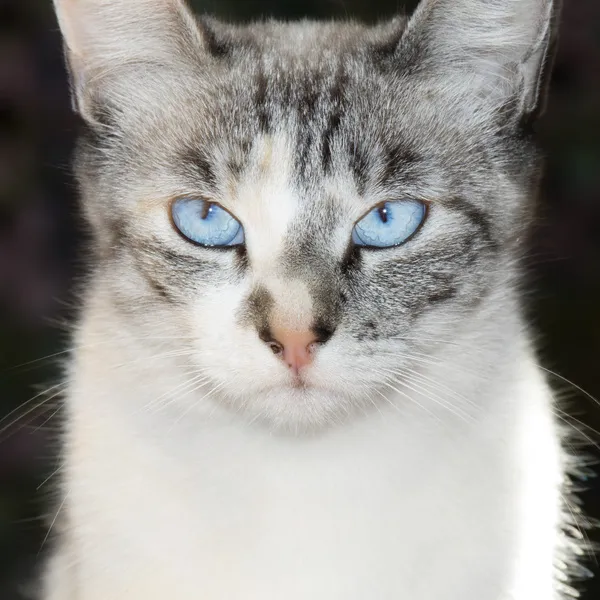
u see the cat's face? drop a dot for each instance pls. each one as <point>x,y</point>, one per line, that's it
<point>288,137</point>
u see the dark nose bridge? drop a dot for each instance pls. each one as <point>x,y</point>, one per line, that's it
<point>264,311</point>
<point>321,273</point>
<point>309,258</point>
<point>306,279</point>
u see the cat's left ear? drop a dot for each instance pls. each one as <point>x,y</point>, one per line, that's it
<point>106,40</point>
<point>500,51</point>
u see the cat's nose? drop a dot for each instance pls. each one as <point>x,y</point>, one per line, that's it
<point>295,348</point>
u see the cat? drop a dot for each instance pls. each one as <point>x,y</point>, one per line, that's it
<point>302,368</point>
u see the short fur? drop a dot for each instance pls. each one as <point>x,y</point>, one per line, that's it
<point>420,458</point>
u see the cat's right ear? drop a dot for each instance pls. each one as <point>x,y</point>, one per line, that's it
<point>106,38</point>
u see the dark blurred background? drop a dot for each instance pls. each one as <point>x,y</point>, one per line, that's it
<point>41,242</point>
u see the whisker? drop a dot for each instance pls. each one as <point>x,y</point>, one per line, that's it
<point>577,387</point>
<point>145,359</point>
<point>567,420</point>
<point>388,384</point>
<point>38,360</point>
<point>112,340</point>
<point>55,472</point>
<point>574,523</point>
<point>421,379</point>
<point>195,404</point>
<point>436,399</point>
<point>19,419</point>
<point>52,415</point>
<point>53,523</point>
<point>181,387</point>
<point>21,406</point>
<point>425,359</point>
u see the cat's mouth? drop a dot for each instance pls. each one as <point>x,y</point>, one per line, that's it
<point>305,387</point>
<point>297,383</point>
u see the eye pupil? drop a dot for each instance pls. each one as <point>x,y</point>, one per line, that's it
<point>383,213</point>
<point>206,210</point>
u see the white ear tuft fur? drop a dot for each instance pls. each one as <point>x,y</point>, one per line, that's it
<point>105,31</point>
<point>503,44</point>
<point>101,36</point>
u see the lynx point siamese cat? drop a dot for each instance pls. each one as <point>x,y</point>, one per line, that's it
<point>301,369</point>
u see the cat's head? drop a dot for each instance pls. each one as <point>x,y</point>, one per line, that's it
<point>311,211</point>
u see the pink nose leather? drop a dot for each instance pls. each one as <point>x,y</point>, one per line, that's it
<point>297,347</point>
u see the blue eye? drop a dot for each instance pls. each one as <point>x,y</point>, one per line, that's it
<point>206,223</point>
<point>389,224</point>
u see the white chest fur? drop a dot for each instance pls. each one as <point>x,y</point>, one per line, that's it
<point>395,505</point>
